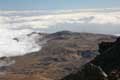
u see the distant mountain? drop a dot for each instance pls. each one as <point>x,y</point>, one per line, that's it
<point>62,53</point>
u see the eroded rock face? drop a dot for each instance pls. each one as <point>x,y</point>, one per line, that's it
<point>109,60</point>
<point>105,66</point>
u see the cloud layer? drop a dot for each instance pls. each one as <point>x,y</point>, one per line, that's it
<point>40,20</point>
<point>17,24</point>
<point>14,42</point>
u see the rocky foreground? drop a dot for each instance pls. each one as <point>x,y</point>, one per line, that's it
<point>105,66</point>
<point>66,55</point>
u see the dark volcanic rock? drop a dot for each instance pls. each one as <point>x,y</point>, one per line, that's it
<point>110,57</point>
<point>109,60</point>
<point>105,66</point>
<point>88,72</point>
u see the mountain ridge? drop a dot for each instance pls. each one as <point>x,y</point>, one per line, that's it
<point>59,56</point>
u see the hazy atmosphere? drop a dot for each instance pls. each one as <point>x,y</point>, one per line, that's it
<point>21,17</point>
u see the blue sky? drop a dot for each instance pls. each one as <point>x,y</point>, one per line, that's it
<point>57,4</point>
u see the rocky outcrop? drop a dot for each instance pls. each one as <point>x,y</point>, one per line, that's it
<point>105,66</point>
<point>88,72</point>
<point>109,60</point>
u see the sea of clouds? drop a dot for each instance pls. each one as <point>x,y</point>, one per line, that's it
<point>20,23</point>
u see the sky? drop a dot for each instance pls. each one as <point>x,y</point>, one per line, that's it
<point>57,4</point>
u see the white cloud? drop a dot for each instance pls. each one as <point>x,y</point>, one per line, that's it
<point>60,17</point>
<point>91,20</point>
<point>11,47</point>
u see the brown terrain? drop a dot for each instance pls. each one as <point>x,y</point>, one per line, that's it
<point>105,66</point>
<point>63,53</point>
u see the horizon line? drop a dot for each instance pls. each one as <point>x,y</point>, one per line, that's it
<point>59,9</point>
